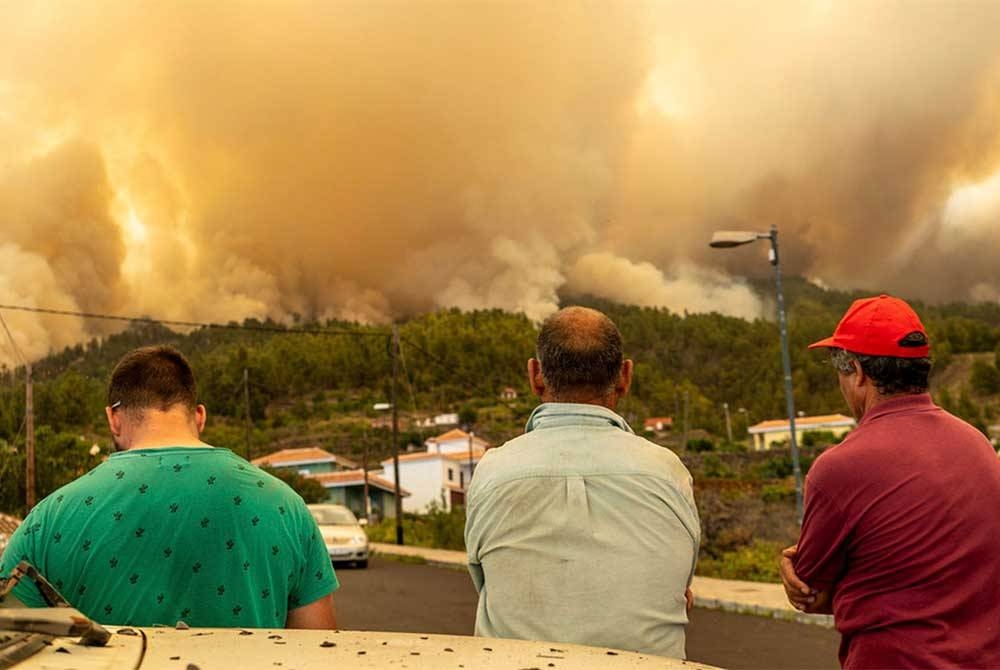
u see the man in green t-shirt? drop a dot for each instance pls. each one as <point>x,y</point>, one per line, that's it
<point>172,529</point>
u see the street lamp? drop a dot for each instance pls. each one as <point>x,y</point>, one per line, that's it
<point>725,239</point>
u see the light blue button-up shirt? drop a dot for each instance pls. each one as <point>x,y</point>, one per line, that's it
<point>579,531</point>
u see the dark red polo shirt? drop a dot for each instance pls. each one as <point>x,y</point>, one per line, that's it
<point>902,519</point>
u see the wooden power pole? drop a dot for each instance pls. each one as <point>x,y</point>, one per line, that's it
<point>29,441</point>
<point>395,436</point>
<point>246,406</point>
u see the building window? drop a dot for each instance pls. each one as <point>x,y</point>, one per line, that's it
<point>451,475</point>
<point>461,479</point>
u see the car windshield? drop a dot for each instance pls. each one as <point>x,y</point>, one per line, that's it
<point>333,516</point>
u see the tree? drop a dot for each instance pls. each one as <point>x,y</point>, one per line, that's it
<point>985,378</point>
<point>467,416</point>
<point>308,488</point>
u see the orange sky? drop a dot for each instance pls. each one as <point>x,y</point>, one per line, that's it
<point>364,160</point>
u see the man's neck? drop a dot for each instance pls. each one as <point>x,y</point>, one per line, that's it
<point>876,399</point>
<point>165,444</point>
<point>606,401</point>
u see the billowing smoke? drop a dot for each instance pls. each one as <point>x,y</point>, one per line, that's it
<point>365,160</point>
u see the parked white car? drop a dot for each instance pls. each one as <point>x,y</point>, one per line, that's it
<point>342,532</point>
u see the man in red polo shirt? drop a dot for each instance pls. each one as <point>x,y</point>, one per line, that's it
<point>900,538</point>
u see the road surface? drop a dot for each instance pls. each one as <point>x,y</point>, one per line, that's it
<point>404,597</point>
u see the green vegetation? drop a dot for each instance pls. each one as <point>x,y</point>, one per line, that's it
<point>310,489</point>
<point>438,530</point>
<point>756,562</point>
<point>308,388</point>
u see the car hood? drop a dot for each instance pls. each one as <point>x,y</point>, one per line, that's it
<point>340,532</point>
<point>212,648</point>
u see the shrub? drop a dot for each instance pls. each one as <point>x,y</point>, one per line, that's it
<point>756,562</point>
<point>700,444</point>
<point>437,529</point>
<point>811,438</point>
<point>776,467</point>
<point>985,378</point>
<point>771,493</point>
<point>713,467</point>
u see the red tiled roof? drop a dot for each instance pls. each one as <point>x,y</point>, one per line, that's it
<point>453,434</point>
<point>347,477</point>
<point>8,524</point>
<point>456,434</point>
<point>304,455</point>
<point>429,455</point>
<point>652,421</point>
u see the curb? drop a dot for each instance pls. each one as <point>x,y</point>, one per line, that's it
<point>780,614</point>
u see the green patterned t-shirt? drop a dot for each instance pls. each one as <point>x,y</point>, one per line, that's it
<point>153,536</point>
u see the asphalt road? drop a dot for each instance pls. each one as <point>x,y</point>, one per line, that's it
<point>394,596</point>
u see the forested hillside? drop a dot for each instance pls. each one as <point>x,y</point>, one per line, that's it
<point>315,383</point>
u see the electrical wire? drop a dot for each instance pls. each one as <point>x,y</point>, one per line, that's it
<point>197,324</point>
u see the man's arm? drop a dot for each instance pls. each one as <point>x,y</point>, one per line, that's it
<point>811,569</point>
<point>799,594</point>
<point>319,614</point>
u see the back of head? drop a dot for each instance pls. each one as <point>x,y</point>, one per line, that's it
<point>157,377</point>
<point>580,352</point>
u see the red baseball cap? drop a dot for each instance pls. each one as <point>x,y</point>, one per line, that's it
<point>882,326</point>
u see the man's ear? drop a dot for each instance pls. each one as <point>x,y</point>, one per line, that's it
<point>859,378</point>
<point>200,417</point>
<point>535,380</point>
<point>114,421</point>
<point>625,378</point>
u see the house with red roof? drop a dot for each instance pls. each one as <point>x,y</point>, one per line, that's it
<point>343,478</point>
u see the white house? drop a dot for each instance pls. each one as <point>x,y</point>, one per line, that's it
<point>438,421</point>
<point>766,433</point>
<point>441,474</point>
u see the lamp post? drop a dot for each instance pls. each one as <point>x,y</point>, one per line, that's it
<point>733,238</point>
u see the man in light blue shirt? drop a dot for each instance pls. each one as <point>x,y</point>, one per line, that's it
<point>579,531</point>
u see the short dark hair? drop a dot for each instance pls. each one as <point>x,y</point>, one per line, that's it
<point>157,377</point>
<point>890,374</point>
<point>579,350</point>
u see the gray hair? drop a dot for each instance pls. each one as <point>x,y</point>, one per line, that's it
<point>890,374</point>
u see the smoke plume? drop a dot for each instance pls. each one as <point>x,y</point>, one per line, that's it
<point>366,160</point>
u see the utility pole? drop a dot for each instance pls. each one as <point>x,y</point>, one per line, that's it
<point>246,406</point>
<point>729,425</point>
<point>368,502</point>
<point>471,469</point>
<point>395,435</point>
<point>684,434</point>
<point>29,451</point>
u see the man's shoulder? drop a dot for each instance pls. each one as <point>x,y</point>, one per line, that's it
<point>607,451</point>
<point>83,485</point>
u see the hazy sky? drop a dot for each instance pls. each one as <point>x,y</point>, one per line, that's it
<point>218,160</point>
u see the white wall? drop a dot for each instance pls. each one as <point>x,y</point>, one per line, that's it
<point>422,478</point>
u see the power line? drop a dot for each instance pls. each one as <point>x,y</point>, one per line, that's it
<point>10,337</point>
<point>196,324</point>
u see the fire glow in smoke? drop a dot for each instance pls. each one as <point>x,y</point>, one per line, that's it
<point>364,160</point>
